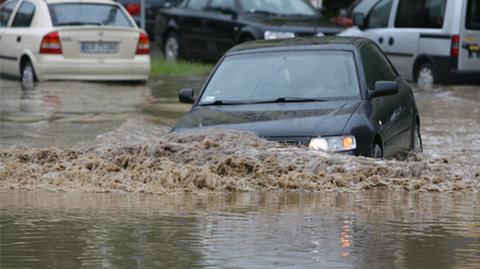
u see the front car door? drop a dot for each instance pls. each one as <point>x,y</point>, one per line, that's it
<point>377,22</point>
<point>469,54</point>
<point>221,26</point>
<point>412,19</point>
<point>191,25</point>
<point>17,36</point>
<point>393,113</point>
<point>6,15</point>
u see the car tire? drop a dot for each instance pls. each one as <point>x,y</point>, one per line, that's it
<point>246,39</point>
<point>28,76</point>
<point>172,49</point>
<point>377,151</point>
<point>416,143</point>
<point>426,75</point>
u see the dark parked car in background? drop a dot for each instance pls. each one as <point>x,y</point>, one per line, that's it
<point>206,29</point>
<point>151,9</point>
<point>333,94</point>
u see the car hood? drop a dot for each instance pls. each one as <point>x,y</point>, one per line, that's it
<point>302,24</point>
<point>274,120</point>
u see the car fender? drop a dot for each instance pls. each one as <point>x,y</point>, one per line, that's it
<point>248,31</point>
<point>28,53</point>
<point>364,128</point>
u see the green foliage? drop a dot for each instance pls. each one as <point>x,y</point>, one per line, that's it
<point>183,68</point>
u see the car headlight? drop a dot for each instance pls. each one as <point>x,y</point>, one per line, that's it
<point>319,34</point>
<point>334,143</point>
<point>278,35</point>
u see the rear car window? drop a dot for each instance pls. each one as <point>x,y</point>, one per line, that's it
<point>6,12</point>
<point>66,14</point>
<point>473,15</point>
<point>24,15</point>
<point>420,14</point>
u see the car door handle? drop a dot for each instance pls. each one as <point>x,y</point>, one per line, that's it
<point>380,40</point>
<point>19,38</point>
<point>391,41</point>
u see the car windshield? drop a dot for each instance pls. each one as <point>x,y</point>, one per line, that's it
<point>71,14</point>
<point>283,76</point>
<point>279,7</point>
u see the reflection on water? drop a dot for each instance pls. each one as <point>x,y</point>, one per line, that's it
<point>65,113</point>
<point>251,230</point>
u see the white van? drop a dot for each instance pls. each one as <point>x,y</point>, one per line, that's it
<point>428,41</point>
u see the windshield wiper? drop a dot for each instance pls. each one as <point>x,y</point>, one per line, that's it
<point>223,103</point>
<point>269,101</point>
<point>262,12</point>
<point>294,100</point>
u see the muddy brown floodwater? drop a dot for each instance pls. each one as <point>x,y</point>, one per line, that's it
<point>228,199</point>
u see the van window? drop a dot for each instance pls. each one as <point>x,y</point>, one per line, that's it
<point>376,67</point>
<point>197,4</point>
<point>379,14</point>
<point>24,15</point>
<point>6,12</point>
<point>473,15</point>
<point>420,14</point>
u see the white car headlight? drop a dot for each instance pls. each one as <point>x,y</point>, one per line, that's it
<point>319,34</point>
<point>334,143</point>
<point>277,35</point>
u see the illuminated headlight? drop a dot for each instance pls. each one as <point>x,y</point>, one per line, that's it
<point>278,35</point>
<point>334,143</point>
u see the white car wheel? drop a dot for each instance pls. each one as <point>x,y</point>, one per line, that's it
<point>28,75</point>
<point>172,48</point>
<point>426,75</point>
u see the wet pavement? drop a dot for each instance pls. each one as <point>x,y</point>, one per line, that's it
<point>419,213</point>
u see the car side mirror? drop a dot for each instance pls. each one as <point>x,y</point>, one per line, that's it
<point>384,88</point>
<point>359,20</point>
<point>186,96</point>
<point>230,12</point>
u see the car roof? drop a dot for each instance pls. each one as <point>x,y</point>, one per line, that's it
<point>331,43</point>
<point>80,1</point>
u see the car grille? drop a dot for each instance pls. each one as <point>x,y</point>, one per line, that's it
<point>294,141</point>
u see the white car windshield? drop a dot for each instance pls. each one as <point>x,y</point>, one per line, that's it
<point>71,14</point>
<point>299,75</point>
<point>279,7</point>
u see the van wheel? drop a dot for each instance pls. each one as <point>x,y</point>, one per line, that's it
<point>377,151</point>
<point>416,144</point>
<point>28,75</point>
<point>172,47</point>
<point>426,75</point>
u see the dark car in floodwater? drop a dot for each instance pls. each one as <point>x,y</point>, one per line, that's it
<point>334,94</point>
<point>206,29</point>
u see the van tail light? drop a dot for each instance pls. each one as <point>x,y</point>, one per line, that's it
<point>133,9</point>
<point>51,44</point>
<point>143,46</point>
<point>455,46</point>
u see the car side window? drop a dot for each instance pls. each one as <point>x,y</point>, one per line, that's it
<point>420,14</point>
<point>5,13</point>
<point>222,5</point>
<point>24,15</point>
<point>378,17</point>
<point>376,66</point>
<point>197,4</point>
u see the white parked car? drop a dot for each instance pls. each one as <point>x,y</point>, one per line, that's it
<point>428,41</point>
<point>71,40</point>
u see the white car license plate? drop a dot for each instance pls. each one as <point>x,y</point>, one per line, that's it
<point>99,47</point>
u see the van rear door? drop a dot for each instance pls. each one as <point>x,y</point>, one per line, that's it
<point>469,54</point>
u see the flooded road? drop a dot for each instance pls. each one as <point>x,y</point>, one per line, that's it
<point>106,147</point>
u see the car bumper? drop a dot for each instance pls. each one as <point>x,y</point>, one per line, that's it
<point>56,67</point>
